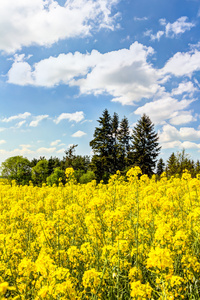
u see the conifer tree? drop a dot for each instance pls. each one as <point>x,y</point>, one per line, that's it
<point>102,145</point>
<point>124,143</point>
<point>160,167</point>
<point>197,167</point>
<point>115,132</point>
<point>145,146</point>
<point>172,165</point>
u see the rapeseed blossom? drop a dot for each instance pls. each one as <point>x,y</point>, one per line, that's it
<point>133,238</point>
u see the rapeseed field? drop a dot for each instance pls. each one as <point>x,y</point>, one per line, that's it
<point>133,238</point>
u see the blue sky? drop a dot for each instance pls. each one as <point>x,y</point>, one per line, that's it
<point>63,62</point>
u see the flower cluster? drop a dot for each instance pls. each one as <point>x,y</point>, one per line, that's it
<point>133,238</point>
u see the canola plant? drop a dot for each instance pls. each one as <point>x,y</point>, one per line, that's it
<point>133,238</point>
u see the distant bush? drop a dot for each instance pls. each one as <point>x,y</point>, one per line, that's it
<point>87,177</point>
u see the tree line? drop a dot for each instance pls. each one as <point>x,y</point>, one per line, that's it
<point>115,147</point>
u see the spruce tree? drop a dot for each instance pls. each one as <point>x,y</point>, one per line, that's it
<point>172,165</point>
<point>160,167</point>
<point>102,145</point>
<point>145,146</point>
<point>124,143</point>
<point>115,132</point>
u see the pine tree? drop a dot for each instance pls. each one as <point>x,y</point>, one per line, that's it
<point>145,146</point>
<point>115,132</point>
<point>172,165</point>
<point>124,143</point>
<point>160,167</point>
<point>102,145</point>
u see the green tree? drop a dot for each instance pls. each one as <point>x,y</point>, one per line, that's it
<point>115,132</point>
<point>160,167</point>
<point>197,167</point>
<point>17,168</point>
<point>145,147</point>
<point>56,176</point>
<point>102,145</point>
<point>124,143</point>
<point>53,163</point>
<point>87,177</point>
<point>40,172</point>
<point>172,165</point>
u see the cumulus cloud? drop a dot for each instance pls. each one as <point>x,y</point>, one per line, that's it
<point>76,117</point>
<point>2,142</point>
<point>20,124</point>
<point>37,120</point>
<point>183,117</point>
<point>16,117</point>
<point>183,63</point>
<point>171,29</point>
<point>170,133</point>
<point>55,143</point>
<point>163,109</point>
<point>157,36</point>
<point>124,74</point>
<point>185,137</point>
<point>23,151</point>
<point>44,150</point>
<point>184,87</point>
<point>78,134</point>
<point>179,26</point>
<point>27,22</point>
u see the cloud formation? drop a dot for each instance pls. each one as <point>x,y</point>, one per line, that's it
<point>27,22</point>
<point>37,120</point>
<point>124,74</point>
<point>171,30</point>
<point>163,109</point>
<point>185,137</point>
<point>17,117</point>
<point>78,134</point>
<point>78,116</point>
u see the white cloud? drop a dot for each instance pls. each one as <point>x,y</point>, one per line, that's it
<point>124,74</point>
<point>25,146</point>
<point>37,120</point>
<point>184,87</point>
<point>61,151</point>
<point>182,117</point>
<point>171,145</point>
<point>163,109</point>
<point>171,29</point>
<point>157,36</point>
<point>2,142</point>
<point>140,19</point>
<point>23,152</point>
<point>44,150</point>
<point>20,124</point>
<point>78,134</point>
<point>55,143</point>
<point>179,26</point>
<point>76,117</point>
<point>184,138</point>
<point>16,117</point>
<point>180,145</point>
<point>170,133</point>
<point>183,64</point>
<point>162,22</point>
<point>39,22</point>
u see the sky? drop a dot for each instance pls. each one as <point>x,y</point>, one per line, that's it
<point>62,63</point>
